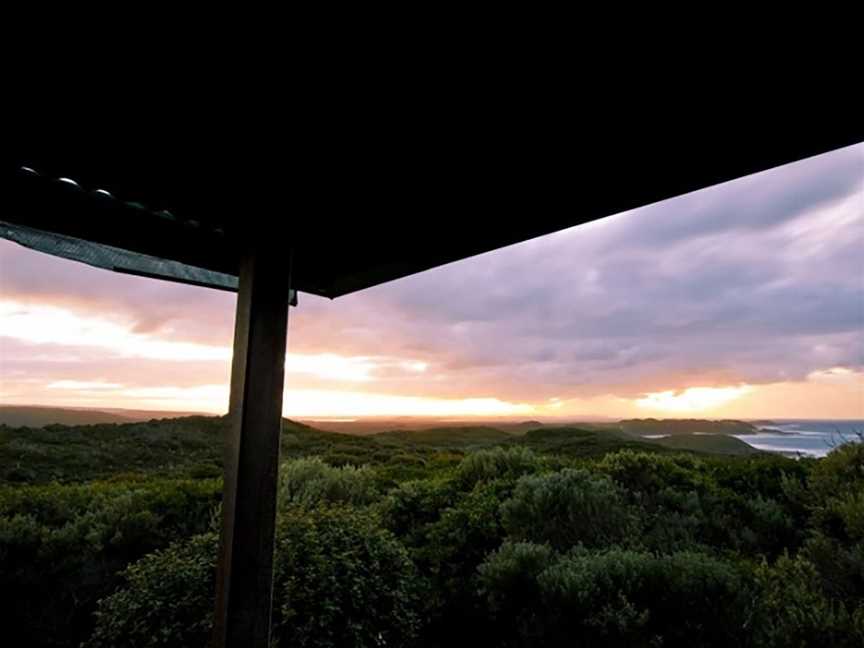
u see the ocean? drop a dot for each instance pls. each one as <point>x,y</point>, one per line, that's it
<point>813,438</point>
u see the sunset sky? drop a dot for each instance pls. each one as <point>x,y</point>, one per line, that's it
<point>743,300</point>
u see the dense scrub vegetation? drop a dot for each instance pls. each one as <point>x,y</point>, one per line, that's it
<point>559,537</point>
<point>62,546</point>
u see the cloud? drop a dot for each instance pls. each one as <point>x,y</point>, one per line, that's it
<point>150,306</point>
<point>758,202</point>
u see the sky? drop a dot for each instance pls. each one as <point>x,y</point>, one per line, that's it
<point>743,300</point>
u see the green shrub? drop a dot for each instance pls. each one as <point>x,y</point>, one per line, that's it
<point>205,471</point>
<point>61,546</point>
<point>451,549</point>
<point>408,510</point>
<point>167,599</point>
<point>651,473</point>
<point>406,459</point>
<point>841,471</point>
<point>458,541</point>
<point>668,490</point>
<point>344,459</point>
<point>568,508</point>
<point>613,598</point>
<point>340,580</point>
<point>628,598</point>
<point>686,502</point>
<point>401,467</point>
<point>792,612</point>
<point>498,463</point>
<point>773,528</point>
<point>311,481</point>
<point>835,545</point>
<point>508,582</point>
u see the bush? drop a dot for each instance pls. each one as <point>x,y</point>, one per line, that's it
<point>613,598</point>
<point>344,459</point>
<point>311,481</point>
<point>457,542</point>
<point>508,582</point>
<point>61,546</point>
<point>498,463</point>
<point>401,467</point>
<point>167,599</point>
<point>668,490</point>
<point>567,508</point>
<point>841,471</point>
<point>792,612</point>
<point>409,509</point>
<point>750,505</point>
<point>340,580</point>
<point>408,460</point>
<point>452,548</point>
<point>651,473</point>
<point>835,545</point>
<point>773,528</point>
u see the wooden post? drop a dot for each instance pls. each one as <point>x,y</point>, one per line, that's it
<point>244,585</point>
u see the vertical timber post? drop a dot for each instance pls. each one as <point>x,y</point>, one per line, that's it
<point>244,584</point>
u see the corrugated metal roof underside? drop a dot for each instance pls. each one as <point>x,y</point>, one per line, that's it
<point>362,207</point>
<point>112,258</point>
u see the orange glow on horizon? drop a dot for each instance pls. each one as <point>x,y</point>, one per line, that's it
<point>319,385</point>
<point>817,397</point>
<point>693,399</point>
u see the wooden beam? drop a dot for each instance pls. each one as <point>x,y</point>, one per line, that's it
<point>244,584</point>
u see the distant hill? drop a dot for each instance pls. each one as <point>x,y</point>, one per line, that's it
<point>710,443</point>
<point>377,425</point>
<point>192,446</point>
<point>578,441</point>
<point>522,426</point>
<point>167,447</point>
<point>448,436</point>
<point>652,426</point>
<point>596,440</point>
<point>37,416</point>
